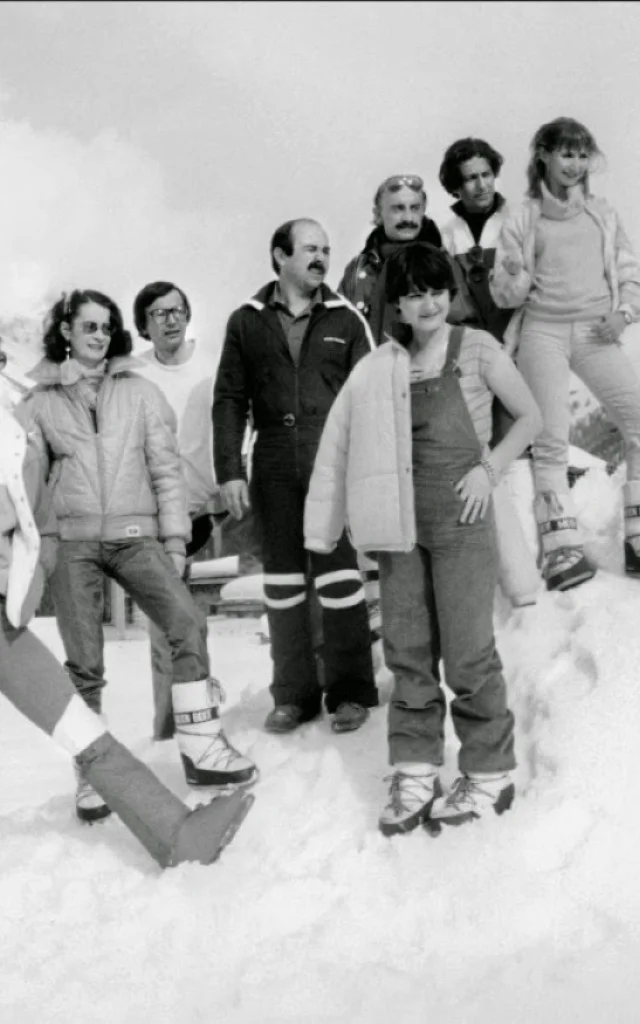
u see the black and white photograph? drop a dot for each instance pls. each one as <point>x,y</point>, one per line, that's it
<point>319,511</point>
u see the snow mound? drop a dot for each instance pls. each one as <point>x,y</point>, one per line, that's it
<point>311,915</point>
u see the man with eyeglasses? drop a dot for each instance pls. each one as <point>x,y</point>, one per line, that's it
<point>399,215</point>
<point>184,373</point>
<point>286,354</point>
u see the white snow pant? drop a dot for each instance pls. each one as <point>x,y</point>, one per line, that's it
<point>547,353</point>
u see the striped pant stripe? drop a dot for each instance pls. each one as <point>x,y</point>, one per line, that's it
<point>348,601</point>
<point>285,602</point>
<point>284,589</point>
<point>339,576</point>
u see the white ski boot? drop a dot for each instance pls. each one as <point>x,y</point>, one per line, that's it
<point>208,758</point>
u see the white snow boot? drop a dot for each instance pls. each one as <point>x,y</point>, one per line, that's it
<point>89,805</point>
<point>76,729</point>
<point>412,791</point>
<point>472,796</point>
<point>564,564</point>
<point>207,756</point>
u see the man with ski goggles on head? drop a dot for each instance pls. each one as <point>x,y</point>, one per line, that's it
<point>399,207</point>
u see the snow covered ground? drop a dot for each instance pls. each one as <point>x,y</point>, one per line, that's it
<point>311,915</point>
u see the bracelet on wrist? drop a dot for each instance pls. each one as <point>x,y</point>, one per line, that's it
<point>490,471</point>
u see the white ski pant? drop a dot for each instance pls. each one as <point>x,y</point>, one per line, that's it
<point>547,353</point>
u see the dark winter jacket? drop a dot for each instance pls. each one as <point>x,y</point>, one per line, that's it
<point>257,374</point>
<point>362,272</point>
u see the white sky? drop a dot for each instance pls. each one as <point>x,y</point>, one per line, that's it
<point>148,140</point>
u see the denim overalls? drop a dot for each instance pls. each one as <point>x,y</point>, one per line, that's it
<point>437,600</point>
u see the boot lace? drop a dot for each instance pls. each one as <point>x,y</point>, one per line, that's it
<point>220,754</point>
<point>464,792</point>
<point>408,791</point>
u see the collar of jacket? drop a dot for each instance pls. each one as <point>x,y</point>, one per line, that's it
<point>461,211</point>
<point>49,374</point>
<point>372,251</point>
<point>392,343</point>
<point>329,298</point>
<point>596,207</point>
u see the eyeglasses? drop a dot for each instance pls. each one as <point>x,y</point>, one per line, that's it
<point>91,327</point>
<point>398,181</point>
<point>162,315</point>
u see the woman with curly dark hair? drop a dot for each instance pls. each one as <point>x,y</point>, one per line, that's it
<point>108,440</point>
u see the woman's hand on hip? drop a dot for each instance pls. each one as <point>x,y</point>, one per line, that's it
<point>475,491</point>
<point>610,328</point>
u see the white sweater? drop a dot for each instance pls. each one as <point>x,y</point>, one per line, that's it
<point>188,387</point>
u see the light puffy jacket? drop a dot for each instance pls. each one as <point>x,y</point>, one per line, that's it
<point>458,239</point>
<point>115,477</point>
<point>517,238</point>
<point>21,575</point>
<point>363,475</point>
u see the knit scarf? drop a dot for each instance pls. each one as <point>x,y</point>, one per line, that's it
<point>562,209</point>
<point>87,379</point>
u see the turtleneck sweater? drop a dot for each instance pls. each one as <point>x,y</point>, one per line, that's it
<point>569,281</point>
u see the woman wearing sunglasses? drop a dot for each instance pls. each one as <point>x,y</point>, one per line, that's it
<point>38,687</point>
<point>565,260</point>
<point>107,438</point>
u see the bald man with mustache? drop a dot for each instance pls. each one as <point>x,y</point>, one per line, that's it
<point>286,354</point>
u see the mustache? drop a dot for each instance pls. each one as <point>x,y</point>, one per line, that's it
<point>316,265</point>
<point>406,225</point>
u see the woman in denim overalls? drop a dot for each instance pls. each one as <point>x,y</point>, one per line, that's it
<point>424,401</point>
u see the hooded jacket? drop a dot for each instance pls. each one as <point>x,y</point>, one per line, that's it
<point>257,375</point>
<point>116,475</point>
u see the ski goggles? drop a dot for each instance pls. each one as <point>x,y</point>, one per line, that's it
<point>398,181</point>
